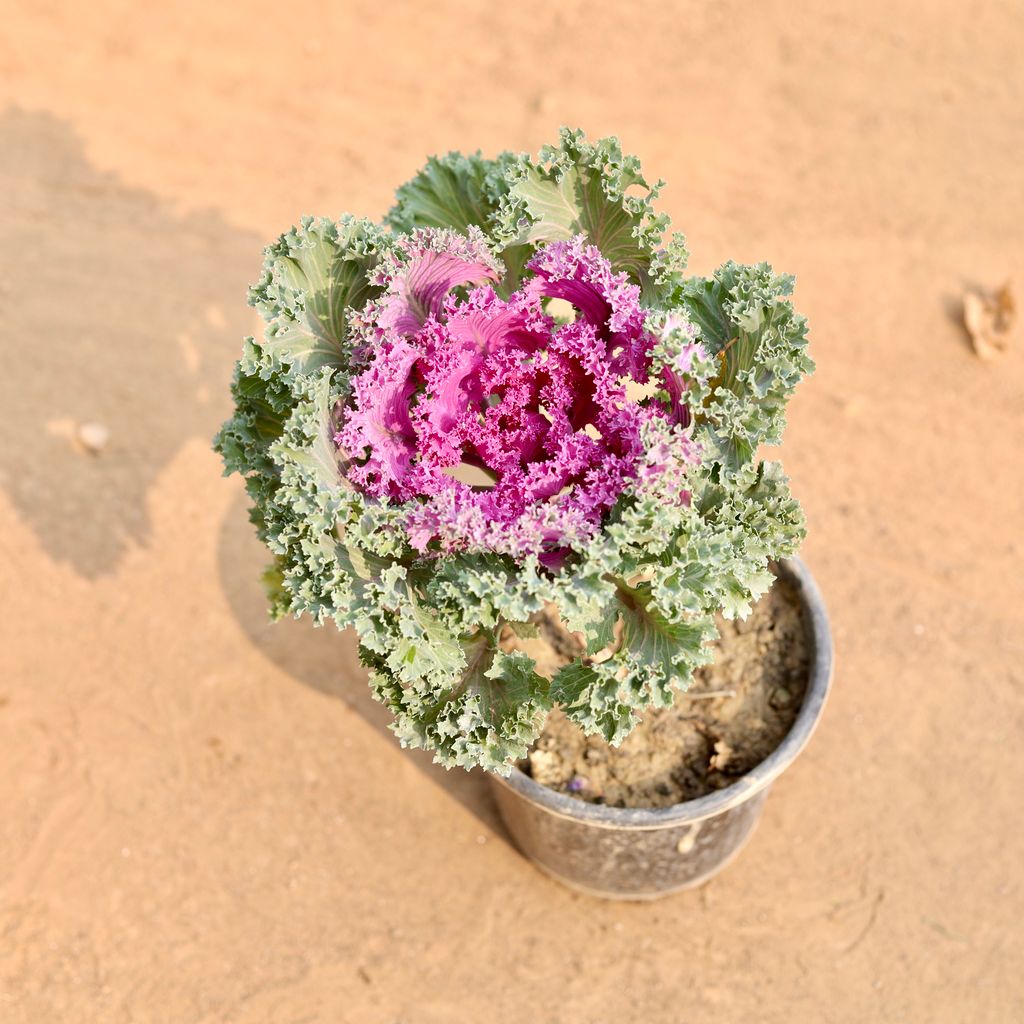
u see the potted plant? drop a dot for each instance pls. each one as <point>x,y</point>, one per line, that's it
<point>504,424</point>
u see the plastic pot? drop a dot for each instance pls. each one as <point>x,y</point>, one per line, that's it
<point>641,853</point>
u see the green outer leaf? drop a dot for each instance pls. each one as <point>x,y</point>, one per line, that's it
<point>261,409</point>
<point>318,456</point>
<point>581,188</point>
<point>655,654</point>
<point>595,699</point>
<point>553,205</point>
<point>460,192</point>
<point>509,683</point>
<point>577,204</point>
<point>429,647</point>
<point>314,275</point>
<point>452,191</point>
<point>571,682</point>
<point>652,638</point>
<point>485,713</point>
<point>602,635</point>
<point>747,321</point>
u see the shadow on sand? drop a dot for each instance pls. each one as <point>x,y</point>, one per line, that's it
<point>120,312</point>
<point>324,658</point>
<point>125,312</point>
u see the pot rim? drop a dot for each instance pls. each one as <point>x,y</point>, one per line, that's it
<point>794,571</point>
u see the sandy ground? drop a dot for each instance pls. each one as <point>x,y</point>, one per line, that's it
<point>203,819</point>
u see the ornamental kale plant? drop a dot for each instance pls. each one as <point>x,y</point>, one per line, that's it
<point>506,397</point>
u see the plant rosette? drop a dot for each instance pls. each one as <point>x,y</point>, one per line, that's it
<point>509,396</point>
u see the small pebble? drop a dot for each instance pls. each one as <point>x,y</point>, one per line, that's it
<point>92,437</point>
<point>577,783</point>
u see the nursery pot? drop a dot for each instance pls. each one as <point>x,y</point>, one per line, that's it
<point>645,853</point>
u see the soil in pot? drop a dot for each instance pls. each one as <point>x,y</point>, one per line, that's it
<point>736,712</point>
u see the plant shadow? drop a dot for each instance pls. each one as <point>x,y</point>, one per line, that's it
<point>127,313</point>
<point>325,659</point>
<point>114,320</point>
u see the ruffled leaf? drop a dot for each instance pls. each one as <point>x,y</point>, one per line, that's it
<point>314,276</point>
<point>749,325</point>
<point>261,408</point>
<point>461,192</point>
<point>593,697</point>
<point>653,656</point>
<point>452,191</point>
<point>317,456</point>
<point>669,648</point>
<point>423,269</point>
<point>486,714</point>
<point>421,290</point>
<point>580,187</point>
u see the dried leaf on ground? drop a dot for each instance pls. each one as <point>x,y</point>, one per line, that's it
<point>989,319</point>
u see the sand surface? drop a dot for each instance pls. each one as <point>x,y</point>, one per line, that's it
<point>202,819</point>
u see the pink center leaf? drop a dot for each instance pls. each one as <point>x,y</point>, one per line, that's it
<point>459,377</point>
